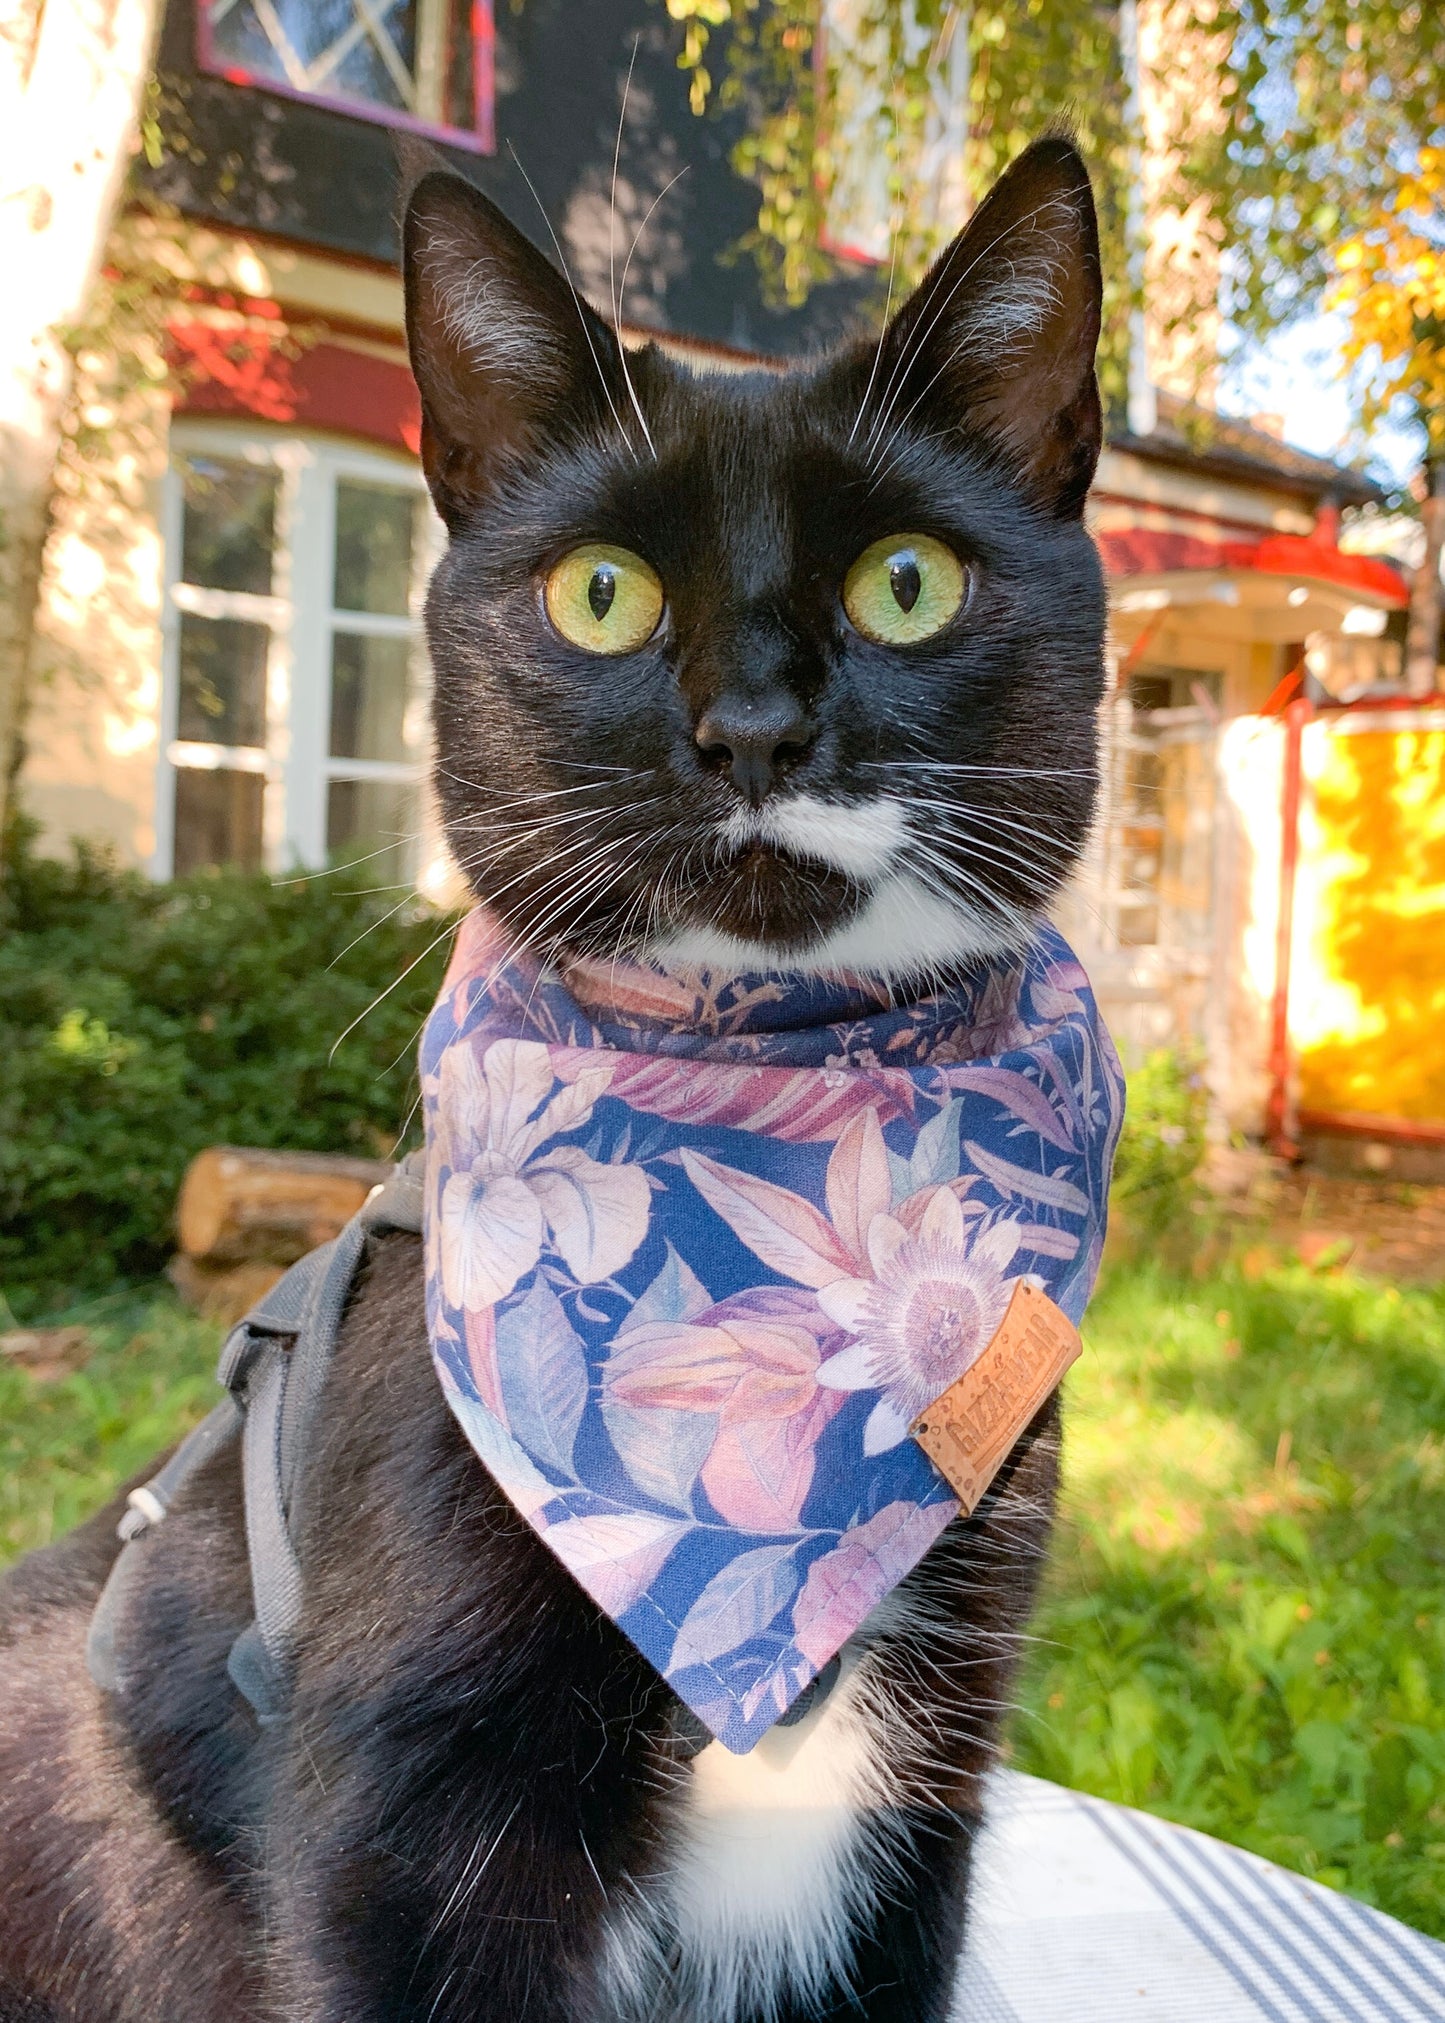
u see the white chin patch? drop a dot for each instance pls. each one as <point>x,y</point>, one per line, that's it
<point>905,927</point>
<point>861,841</point>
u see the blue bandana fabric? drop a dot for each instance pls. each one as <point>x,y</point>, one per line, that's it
<point>700,1249</point>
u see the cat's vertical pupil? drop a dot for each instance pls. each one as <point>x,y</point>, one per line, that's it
<point>603,588</point>
<point>904,579</point>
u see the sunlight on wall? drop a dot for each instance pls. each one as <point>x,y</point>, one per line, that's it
<point>1367,990</point>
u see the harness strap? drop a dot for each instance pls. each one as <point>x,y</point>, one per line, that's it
<point>273,1364</point>
<point>146,1507</point>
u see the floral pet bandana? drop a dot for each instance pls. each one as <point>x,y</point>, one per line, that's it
<point>700,1249</point>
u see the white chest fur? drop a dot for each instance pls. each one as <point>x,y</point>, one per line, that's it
<point>770,1857</point>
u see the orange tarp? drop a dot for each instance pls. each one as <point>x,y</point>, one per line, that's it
<point>1367,985</point>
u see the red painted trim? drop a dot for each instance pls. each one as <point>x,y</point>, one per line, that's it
<point>1149,551</point>
<point>1140,647</point>
<point>479,141</point>
<point>1277,1120</point>
<point>326,387</point>
<point>1295,555</point>
<point>1363,1124</point>
<point>484,76</point>
<point>1284,692</point>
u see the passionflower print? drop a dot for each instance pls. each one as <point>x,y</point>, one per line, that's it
<point>509,1188</point>
<point>930,1304</point>
<point>751,1366</point>
<point>915,1279</point>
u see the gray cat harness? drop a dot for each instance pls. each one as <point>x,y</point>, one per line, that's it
<point>273,1367</point>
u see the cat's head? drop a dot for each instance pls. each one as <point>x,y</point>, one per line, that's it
<point>776,669</point>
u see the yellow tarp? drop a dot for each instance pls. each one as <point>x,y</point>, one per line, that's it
<point>1367,987</point>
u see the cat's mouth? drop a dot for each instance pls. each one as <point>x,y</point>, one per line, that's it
<point>763,892</point>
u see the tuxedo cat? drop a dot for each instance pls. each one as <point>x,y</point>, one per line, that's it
<point>770,671</point>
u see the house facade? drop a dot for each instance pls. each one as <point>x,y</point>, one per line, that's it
<point>230,664</point>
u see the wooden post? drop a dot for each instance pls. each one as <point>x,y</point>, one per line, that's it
<point>1422,637</point>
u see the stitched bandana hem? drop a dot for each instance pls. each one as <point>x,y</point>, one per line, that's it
<point>699,1249</point>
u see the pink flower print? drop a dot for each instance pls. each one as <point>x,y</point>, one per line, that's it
<point>505,1194</point>
<point>845,1585</point>
<point>931,1303</point>
<point>480,1324</point>
<point>757,1373</point>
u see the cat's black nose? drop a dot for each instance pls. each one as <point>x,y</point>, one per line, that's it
<point>754,739</point>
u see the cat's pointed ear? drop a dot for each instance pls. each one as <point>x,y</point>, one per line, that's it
<point>504,351</point>
<point>999,337</point>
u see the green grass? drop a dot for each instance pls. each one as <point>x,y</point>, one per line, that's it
<point>1244,1625</point>
<point>66,1445</point>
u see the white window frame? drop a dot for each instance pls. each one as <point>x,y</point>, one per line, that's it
<point>296,758</point>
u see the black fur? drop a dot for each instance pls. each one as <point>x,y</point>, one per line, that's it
<point>477,1768</point>
<point>476,1761</point>
<point>750,495</point>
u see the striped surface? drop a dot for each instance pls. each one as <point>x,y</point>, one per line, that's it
<point>1091,1913</point>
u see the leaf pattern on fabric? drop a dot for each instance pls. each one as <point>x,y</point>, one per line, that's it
<point>615,1556</point>
<point>1021,1097</point>
<point>1052,1189</point>
<point>801,1107</point>
<point>661,1448</point>
<point>695,1261</point>
<point>786,1232</point>
<point>544,1376</point>
<point>845,1585</point>
<point>735,1606</point>
<point>858,1185</point>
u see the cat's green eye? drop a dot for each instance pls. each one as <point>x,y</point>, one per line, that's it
<point>903,589</point>
<point>607,600</point>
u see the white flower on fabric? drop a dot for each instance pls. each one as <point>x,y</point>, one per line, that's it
<point>506,1193</point>
<point>931,1305</point>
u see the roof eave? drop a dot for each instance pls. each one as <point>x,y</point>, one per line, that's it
<point>1347,487</point>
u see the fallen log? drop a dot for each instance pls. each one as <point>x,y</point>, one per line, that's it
<point>221,1292</point>
<point>241,1206</point>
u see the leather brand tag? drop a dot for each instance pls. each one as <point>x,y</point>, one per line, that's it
<point>969,1431</point>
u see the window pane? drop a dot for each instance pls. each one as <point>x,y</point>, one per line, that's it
<point>229,528</point>
<point>335,48</point>
<point>379,66</point>
<point>223,681</point>
<point>369,679</point>
<point>363,816</point>
<point>375,527</point>
<point>218,818</point>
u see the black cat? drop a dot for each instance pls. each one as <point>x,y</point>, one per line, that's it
<point>851,721</point>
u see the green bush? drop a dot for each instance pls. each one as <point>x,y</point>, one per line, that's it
<point>1163,1138</point>
<point>141,1022</point>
